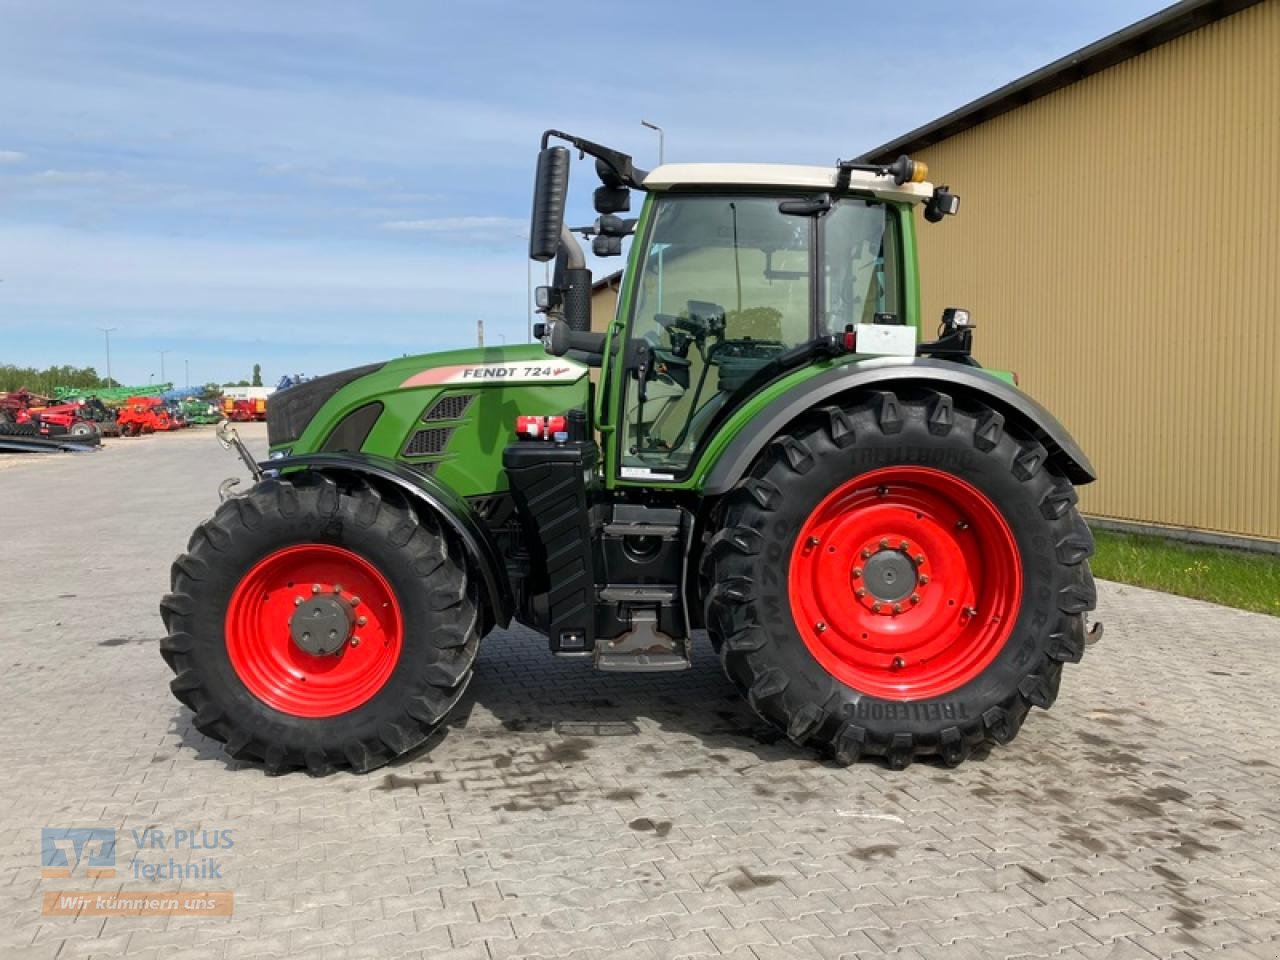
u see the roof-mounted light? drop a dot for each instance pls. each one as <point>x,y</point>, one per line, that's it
<point>903,170</point>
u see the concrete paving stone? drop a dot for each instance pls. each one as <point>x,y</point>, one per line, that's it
<point>797,950</point>
<point>1116,826</point>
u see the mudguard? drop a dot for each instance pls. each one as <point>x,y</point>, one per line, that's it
<point>886,373</point>
<point>450,507</point>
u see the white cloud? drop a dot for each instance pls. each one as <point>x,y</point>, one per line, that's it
<point>11,156</point>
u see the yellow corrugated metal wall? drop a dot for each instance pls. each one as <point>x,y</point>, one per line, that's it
<point>1119,246</point>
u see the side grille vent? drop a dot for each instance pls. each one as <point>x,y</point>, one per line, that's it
<point>450,407</point>
<point>429,441</point>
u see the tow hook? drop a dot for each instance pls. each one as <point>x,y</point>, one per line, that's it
<point>229,439</point>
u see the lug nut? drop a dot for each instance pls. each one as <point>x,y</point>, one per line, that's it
<point>860,592</point>
<point>820,627</point>
<point>962,525</point>
<point>881,491</point>
<point>919,559</point>
<point>884,544</point>
<point>875,608</point>
<point>297,601</point>
<point>361,621</point>
<point>315,588</point>
<point>898,663</point>
<point>905,547</point>
<point>866,554</point>
<point>355,641</point>
<point>813,541</point>
<point>897,608</point>
<point>924,578</point>
<point>915,598</point>
<point>857,571</point>
<point>970,611</point>
<point>355,601</point>
<point>337,588</point>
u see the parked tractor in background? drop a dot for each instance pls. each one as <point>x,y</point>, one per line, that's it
<point>89,408</point>
<point>879,537</point>
<point>48,417</point>
<point>141,415</point>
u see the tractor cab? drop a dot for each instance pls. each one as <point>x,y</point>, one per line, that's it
<point>739,274</point>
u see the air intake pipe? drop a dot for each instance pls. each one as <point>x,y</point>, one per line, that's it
<point>576,291</point>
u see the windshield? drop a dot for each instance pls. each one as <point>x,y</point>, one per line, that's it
<point>725,286</point>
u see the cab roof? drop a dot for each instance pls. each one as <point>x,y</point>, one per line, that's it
<point>779,175</point>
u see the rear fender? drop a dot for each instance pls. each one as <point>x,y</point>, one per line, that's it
<point>888,373</point>
<point>429,493</point>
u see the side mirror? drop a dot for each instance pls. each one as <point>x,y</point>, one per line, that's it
<point>943,203</point>
<point>550,188</point>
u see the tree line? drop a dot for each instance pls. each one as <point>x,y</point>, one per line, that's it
<point>13,377</point>
<point>44,382</point>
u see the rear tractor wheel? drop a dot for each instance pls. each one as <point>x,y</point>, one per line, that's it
<point>900,578</point>
<point>320,626</point>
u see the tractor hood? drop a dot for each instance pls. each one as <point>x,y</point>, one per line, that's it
<point>450,414</point>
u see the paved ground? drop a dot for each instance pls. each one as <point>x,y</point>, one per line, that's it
<point>565,813</point>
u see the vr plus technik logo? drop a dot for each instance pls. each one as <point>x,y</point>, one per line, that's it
<point>67,852</point>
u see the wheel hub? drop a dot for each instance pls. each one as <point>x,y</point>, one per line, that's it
<point>322,625</point>
<point>889,576</point>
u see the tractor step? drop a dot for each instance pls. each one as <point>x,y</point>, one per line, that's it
<point>642,649</point>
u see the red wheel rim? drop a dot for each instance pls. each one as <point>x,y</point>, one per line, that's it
<point>905,583</point>
<point>270,662</point>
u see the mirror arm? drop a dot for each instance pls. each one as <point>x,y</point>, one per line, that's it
<point>619,162</point>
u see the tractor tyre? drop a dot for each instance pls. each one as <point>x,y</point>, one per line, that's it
<point>317,625</point>
<point>899,577</point>
<point>82,428</point>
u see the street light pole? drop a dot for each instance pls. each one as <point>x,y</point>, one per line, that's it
<point>107,331</point>
<point>162,353</point>
<point>662,140</point>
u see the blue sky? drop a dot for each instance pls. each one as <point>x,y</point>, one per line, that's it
<point>311,186</point>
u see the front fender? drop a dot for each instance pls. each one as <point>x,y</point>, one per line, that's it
<point>888,372</point>
<point>426,490</point>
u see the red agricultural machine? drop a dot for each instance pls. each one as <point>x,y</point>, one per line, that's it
<point>141,415</point>
<point>53,419</point>
<point>244,409</point>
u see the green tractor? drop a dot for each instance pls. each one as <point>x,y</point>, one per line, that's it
<point>878,537</point>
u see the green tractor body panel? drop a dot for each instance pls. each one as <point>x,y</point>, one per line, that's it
<point>471,399</point>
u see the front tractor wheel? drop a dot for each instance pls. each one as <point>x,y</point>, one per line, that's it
<point>317,625</point>
<point>900,578</point>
